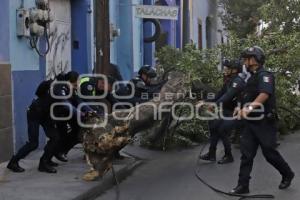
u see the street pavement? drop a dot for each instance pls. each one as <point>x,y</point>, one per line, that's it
<point>170,175</point>
<point>65,185</point>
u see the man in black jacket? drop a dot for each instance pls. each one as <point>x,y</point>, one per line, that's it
<point>226,100</point>
<point>38,113</point>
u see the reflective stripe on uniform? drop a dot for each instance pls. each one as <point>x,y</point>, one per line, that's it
<point>87,79</point>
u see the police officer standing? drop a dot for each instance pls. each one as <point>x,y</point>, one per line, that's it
<point>259,117</point>
<point>227,100</point>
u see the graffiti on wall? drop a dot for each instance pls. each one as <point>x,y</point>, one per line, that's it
<point>59,56</point>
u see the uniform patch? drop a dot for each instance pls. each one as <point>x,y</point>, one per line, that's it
<point>234,85</point>
<point>267,79</point>
<point>63,92</point>
<point>90,88</point>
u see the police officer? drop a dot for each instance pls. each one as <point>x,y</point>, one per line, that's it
<point>38,114</point>
<point>144,86</point>
<point>226,100</point>
<point>97,86</point>
<point>259,116</point>
<point>69,129</point>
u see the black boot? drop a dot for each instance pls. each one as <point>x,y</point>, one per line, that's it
<point>226,159</point>
<point>45,167</point>
<point>240,189</point>
<point>286,181</point>
<point>52,164</point>
<point>61,157</point>
<point>14,166</point>
<point>210,156</point>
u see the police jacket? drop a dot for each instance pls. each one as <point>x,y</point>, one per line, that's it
<point>230,94</point>
<point>41,106</point>
<point>88,87</point>
<point>261,81</point>
<point>144,92</point>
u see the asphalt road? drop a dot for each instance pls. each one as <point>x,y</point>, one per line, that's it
<point>170,175</point>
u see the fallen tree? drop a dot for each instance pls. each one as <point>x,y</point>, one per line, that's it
<point>101,143</point>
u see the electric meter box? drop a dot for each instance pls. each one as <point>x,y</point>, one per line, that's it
<point>23,23</point>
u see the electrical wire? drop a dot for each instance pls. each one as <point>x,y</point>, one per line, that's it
<point>35,39</point>
<point>117,182</point>
<point>196,172</point>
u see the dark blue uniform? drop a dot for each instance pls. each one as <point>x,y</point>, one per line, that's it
<point>260,132</point>
<point>227,99</point>
<point>143,92</point>
<point>38,113</point>
<point>88,87</point>
<point>69,129</point>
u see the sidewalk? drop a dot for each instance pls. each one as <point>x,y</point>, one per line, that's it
<point>65,185</point>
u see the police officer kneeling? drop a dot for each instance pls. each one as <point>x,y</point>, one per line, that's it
<point>259,92</point>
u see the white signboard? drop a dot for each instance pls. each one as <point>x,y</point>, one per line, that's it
<point>157,12</point>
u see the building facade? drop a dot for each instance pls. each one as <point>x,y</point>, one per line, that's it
<point>22,69</point>
<point>72,47</point>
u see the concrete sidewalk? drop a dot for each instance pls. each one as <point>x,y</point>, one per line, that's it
<point>65,185</point>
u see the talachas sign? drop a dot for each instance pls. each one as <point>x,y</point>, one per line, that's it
<point>157,12</point>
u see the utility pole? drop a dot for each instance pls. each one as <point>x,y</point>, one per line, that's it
<point>102,28</point>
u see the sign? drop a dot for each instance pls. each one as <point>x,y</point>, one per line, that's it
<point>157,12</point>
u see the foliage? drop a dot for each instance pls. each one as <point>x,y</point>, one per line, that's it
<point>196,64</point>
<point>200,66</point>
<point>281,15</point>
<point>283,59</point>
<point>241,16</point>
<point>280,40</point>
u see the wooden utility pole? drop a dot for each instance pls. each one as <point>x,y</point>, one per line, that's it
<point>102,28</point>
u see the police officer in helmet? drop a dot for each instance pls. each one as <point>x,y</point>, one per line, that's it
<point>147,73</point>
<point>144,86</point>
<point>260,125</point>
<point>226,100</point>
<point>38,114</point>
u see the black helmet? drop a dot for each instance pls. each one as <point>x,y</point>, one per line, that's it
<point>148,70</point>
<point>256,52</point>
<point>232,64</point>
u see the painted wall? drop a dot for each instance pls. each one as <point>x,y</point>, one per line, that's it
<point>199,13</point>
<point>4,31</point>
<point>200,10</point>
<point>82,37</point>
<point>28,69</point>
<point>22,57</point>
<point>129,46</point>
<point>149,48</point>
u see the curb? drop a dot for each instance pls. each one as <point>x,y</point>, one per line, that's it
<point>108,182</point>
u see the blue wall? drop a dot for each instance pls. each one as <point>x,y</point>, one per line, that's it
<point>25,83</point>
<point>22,57</point>
<point>79,17</point>
<point>4,31</point>
<point>29,69</point>
<point>124,48</point>
<point>149,48</point>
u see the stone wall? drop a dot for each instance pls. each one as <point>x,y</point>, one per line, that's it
<point>6,130</point>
